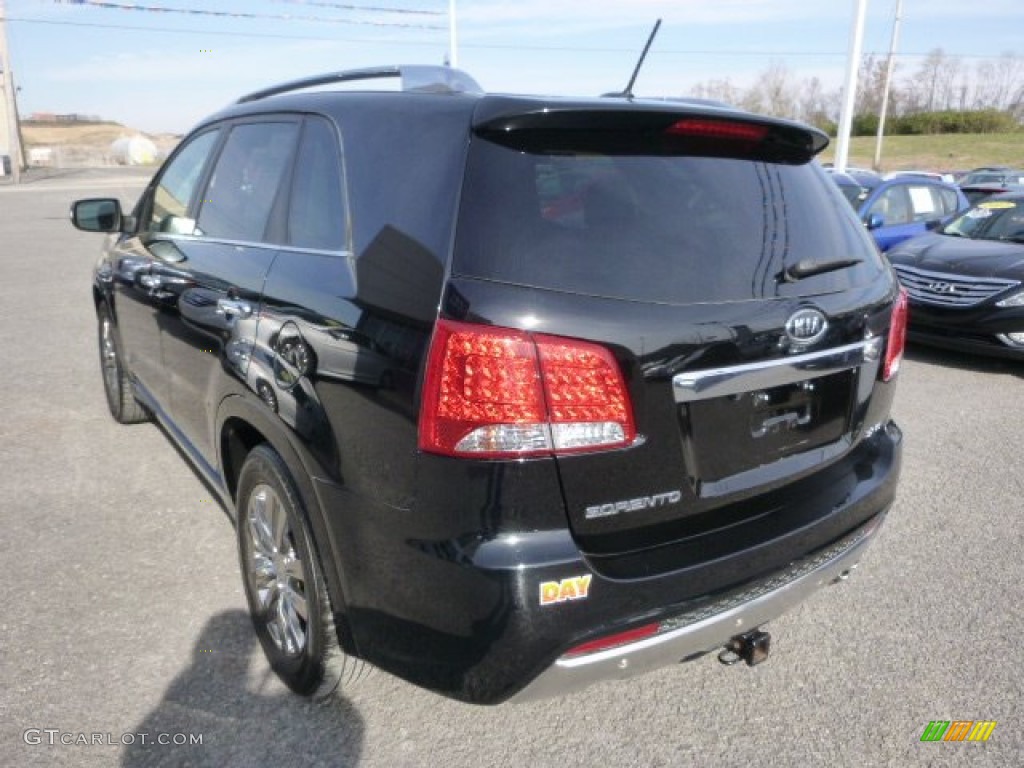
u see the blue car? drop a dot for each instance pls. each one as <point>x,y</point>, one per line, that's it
<point>897,209</point>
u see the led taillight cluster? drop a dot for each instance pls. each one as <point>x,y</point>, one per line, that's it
<point>897,337</point>
<point>498,392</point>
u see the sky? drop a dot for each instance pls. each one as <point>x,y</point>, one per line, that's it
<point>161,70</point>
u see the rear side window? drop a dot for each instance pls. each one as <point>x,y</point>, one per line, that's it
<point>674,229</point>
<point>317,217</point>
<point>245,181</point>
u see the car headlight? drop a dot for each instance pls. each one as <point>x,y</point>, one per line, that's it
<point>1017,300</point>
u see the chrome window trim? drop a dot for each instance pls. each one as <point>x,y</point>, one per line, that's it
<point>264,245</point>
<point>709,383</point>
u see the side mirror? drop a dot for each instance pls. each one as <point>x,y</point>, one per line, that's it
<point>932,225</point>
<point>99,214</point>
<point>874,221</point>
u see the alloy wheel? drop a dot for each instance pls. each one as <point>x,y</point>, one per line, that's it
<point>276,571</point>
<point>109,362</point>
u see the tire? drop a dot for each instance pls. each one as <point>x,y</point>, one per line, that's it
<point>117,384</point>
<point>283,578</point>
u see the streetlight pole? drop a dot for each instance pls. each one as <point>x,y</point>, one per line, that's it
<point>876,164</point>
<point>13,134</point>
<point>850,89</point>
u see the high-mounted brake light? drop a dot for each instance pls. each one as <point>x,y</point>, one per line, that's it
<point>616,640</point>
<point>497,392</point>
<point>717,129</point>
<point>897,337</point>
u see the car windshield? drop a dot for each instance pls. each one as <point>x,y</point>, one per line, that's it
<point>991,220</point>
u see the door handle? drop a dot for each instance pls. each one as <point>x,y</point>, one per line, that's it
<point>233,308</point>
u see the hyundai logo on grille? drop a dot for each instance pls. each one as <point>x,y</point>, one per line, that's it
<point>942,287</point>
<point>806,326</point>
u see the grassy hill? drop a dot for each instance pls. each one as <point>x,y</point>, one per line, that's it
<point>98,135</point>
<point>941,152</point>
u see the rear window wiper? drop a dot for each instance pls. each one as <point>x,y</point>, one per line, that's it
<point>808,268</point>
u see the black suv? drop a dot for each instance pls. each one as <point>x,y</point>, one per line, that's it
<point>508,394</point>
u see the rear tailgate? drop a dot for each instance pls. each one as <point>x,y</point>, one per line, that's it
<point>666,237</point>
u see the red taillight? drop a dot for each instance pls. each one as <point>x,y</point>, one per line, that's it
<point>613,641</point>
<point>897,337</point>
<point>718,129</point>
<point>498,392</point>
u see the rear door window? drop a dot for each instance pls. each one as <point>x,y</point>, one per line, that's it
<point>246,181</point>
<point>675,229</point>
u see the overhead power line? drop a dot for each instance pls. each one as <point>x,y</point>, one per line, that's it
<point>375,8</point>
<point>220,33</point>
<point>498,46</point>
<point>105,4</point>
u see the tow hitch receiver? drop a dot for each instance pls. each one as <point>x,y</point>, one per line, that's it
<point>752,647</point>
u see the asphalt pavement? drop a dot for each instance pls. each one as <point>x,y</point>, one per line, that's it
<point>124,621</point>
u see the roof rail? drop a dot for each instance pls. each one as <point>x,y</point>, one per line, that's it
<point>419,77</point>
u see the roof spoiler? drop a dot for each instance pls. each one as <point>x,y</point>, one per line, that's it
<point>415,78</point>
<point>644,128</point>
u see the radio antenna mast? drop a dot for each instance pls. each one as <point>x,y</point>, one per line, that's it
<point>627,93</point>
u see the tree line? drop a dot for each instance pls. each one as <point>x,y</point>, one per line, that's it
<point>943,94</point>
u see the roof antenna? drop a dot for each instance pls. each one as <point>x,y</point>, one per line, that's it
<point>627,93</point>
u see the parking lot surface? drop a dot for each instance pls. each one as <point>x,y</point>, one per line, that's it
<point>124,620</point>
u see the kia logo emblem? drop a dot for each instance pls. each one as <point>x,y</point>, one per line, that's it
<point>806,326</point>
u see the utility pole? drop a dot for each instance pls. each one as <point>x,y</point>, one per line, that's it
<point>453,55</point>
<point>850,89</point>
<point>13,132</point>
<point>888,79</point>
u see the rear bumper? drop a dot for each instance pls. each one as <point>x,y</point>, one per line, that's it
<point>469,615</point>
<point>711,626</point>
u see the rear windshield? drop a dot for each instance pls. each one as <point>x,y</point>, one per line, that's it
<point>671,229</point>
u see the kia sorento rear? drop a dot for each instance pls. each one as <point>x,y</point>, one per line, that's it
<point>655,405</point>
